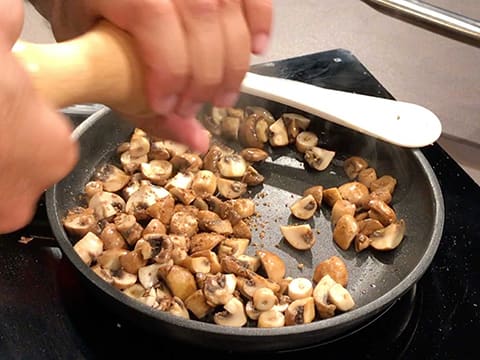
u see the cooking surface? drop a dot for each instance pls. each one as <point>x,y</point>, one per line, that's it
<point>45,312</point>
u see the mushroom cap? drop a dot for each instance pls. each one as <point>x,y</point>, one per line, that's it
<point>233,315</point>
<point>304,208</point>
<point>273,265</point>
<point>301,236</point>
<point>389,237</point>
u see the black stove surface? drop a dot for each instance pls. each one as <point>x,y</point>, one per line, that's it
<point>46,314</point>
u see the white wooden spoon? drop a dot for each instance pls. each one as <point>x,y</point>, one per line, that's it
<point>101,66</point>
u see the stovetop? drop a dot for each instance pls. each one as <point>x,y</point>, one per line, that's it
<point>46,314</point>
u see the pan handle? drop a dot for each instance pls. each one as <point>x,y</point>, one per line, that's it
<point>99,66</point>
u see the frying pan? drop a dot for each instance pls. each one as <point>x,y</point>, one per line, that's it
<point>377,279</point>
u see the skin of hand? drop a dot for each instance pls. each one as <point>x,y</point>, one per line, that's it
<point>36,149</point>
<point>194,51</point>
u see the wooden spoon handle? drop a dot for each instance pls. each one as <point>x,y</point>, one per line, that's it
<point>100,66</point>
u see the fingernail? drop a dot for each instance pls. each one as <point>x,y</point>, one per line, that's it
<point>226,99</point>
<point>189,109</point>
<point>165,105</point>
<point>259,43</point>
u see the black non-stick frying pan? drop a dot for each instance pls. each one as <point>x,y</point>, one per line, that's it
<point>377,279</point>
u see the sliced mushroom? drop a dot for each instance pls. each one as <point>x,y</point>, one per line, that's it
<point>208,221</point>
<point>301,236</point>
<point>319,158</point>
<point>251,312</point>
<point>232,166</point>
<point>148,275</point>
<point>231,189</point>
<point>367,176</point>
<point>271,319</point>
<point>354,191</point>
<point>204,183</point>
<point>79,221</point>
<point>123,279</point>
<point>139,143</point>
<point>197,304</point>
<point>131,163</point>
<point>112,238</point>
<point>389,237</point>
<point>180,281</point>
<point>317,192</point>
<point>300,288</point>
<point>218,289</point>
<point>335,267</point>
<point>187,162</point>
<point>340,208</point>
<point>110,259</point>
<point>233,315</point>
<point>132,261</point>
<point>253,155</point>
<point>264,299</point>
<point>229,127</point>
<point>244,207</point>
<point>143,198</point>
<point>196,264</point>
<point>304,208</point>
<point>278,135</point>
<point>247,132</point>
<point>112,178</point>
<point>157,171</point>
<point>177,307</point>
<point>88,247</point>
<point>353,165</point>
<point>386,181</point>
<point>345,231</point>
<point>320,295</point>
<point>306,140</point>
<point>181,180</point>
<point>128,226</point>
<point>183,223</point>
<point>205,241</point>
<point>381,211</point>
<point>252,177</point>
<point>301,311</point>
<point>273,265</point>
<point>162,209</point>
<point>212,258</point>
<point>340,297</point>
<point>106,204</point>
<point>331,195</point>
<point>232,247</point>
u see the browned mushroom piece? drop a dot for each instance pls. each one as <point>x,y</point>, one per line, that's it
<point>319,158</point>
<point>132,261</point>
<point>183,223</point>
<point>278,135</point>
<point>231,189</point>
<point>180,281</point>
<point>368,226</point>
<point>355,192</point>
<point>196,264</point>
<point>247,132</point>
<point>208,221</point>
<point>110,259</point>
<point>300,288</point>
<point>331,195</point>
<point>139,143</point>
<point>146,196</point>
<point>389,237</point>
<point>367,176</point>
<point>385,181</point>
<point>273,265</point>
<point>304,208</point>
<point>382,212</point>
<point>251,262</point>
<point>148,275</point>
<point>252,177</point>
<point>88,247</point>
<point>353,165</point>
<point>154,229</point>
<point>186,162</point>
<point>123,279</point>
<point>271,319</point>
<point>197,304</point>
<point>316,191</point>
<point>253,155</point>
<point>244,207</point>
<point>157,171</point>
<point>324,308</point>
<point>340,297</point>
<point>131,164</point>
<point>205,241</point>
<point>340,208</point>
<point>253,281</point>
<point>219,288</point>
<point>204,183</point>
<point>212,257</point>
<point>93,187</point>
<point>305,140</point>
<point>162,209</point>
<point>128,226</point>
<point>229,127</point>
<point>361,242</point>
<point>335,267</point>
<point>112,238</point>
<point>232,247</point>
<point>233,314</point>
<point>345,231</point>
<point>301,311</point>
<point>380,194</point>
<point>79,221</point>
<point>112,178</point>
<point>105,205</point>
<point>104,274</point>
<point>232,166</point>
<point>264,299</point>
<point>295,124</point>
<point>177,307</point>
<point>260,112</point>
<point>251,312</point>
<point>301,236</point>
<point>181,180</point>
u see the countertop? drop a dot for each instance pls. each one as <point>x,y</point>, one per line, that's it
<point>416,63</point>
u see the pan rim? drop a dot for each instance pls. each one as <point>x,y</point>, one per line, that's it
<point>355,315</point>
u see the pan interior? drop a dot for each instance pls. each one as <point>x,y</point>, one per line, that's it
<point>373,275</point>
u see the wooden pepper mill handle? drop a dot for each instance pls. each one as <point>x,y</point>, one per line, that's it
<point>100,66</point>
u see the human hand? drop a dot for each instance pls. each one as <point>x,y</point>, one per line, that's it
<point>194,51</point>
<point>36,150</point>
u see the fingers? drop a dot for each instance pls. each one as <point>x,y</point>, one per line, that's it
<point>259,17</point>
<point>37,150</point>
<point>11,21</point>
